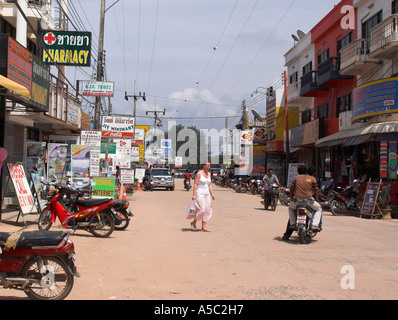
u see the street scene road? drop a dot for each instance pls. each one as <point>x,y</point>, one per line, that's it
<point>244,257</point>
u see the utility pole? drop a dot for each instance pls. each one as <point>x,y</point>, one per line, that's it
<point>286,126</point>
<point>245,116</point>
<point>156,116</point>
<point>100,72</point>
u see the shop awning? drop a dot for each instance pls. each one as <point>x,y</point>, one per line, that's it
<point>338,138</point>
<point>379,128</point>
<point>15,87</point>
<point>354,141</point>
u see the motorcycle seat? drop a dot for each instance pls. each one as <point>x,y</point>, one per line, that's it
<point>92,203</point>
<point>31,239</point>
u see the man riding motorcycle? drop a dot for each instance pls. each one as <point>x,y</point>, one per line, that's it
<point>187,177</point>
<point>269,179</point>
<point>302,191</point>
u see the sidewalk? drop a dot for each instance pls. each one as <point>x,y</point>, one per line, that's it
<point>9,216</point>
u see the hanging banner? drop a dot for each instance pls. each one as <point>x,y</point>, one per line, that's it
<point>67,48</point>
<point>22,189</point>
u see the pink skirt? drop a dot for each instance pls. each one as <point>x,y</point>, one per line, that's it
<point>203,210</point>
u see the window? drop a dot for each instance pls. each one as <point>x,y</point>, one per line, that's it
<point>307,68</point>
<point>344,103</point>
<point>294,77</point>
<point>306,116</point>
<point>370,23</point>
<point>323,111</point>
<point>323,56</point>
<point>344,41</point>
<point>394,7</point>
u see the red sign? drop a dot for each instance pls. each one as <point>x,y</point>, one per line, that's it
<point>112,134</point>
<point>19,63</point>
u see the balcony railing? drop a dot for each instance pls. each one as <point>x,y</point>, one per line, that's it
<point>63,106</point>
<point>384,38</point>
<point>329,73</point>
<point>309,85</point>
<point>355,58</point>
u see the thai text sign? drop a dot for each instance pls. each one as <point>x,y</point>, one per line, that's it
<point>22,189</point>
<point>103,187</point>
<point>19,64</point>
<point>67,48</point>
<point>375,98</point>
<point>118,127</point>
<point>40,84</point>
<point>98,88</point>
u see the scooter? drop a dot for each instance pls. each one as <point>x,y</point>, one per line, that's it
<point>345,200</point>
<point>147,185</point>
<point>40,263</point>
<point>94,216</point>
<point>187,185</point>
<point>305,217</point>
<point>272,198</point>
<point>121,212</point>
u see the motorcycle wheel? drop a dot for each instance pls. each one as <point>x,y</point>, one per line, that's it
<point>125,221</point>
<point>52,281</point>
<point>142,185</point>
<point>103,226</point>
<point>45,220</point>
<point>274,202</point>
<point>302,236</point>
<point>335,207</point>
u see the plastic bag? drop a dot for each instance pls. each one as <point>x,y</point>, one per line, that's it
<point>191,208</point>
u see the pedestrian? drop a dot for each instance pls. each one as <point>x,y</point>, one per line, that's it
<point>202,197</point>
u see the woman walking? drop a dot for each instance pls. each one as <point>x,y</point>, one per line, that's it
<point>202,196</point>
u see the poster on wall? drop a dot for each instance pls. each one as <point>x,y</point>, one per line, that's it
<point>293,172</point>
<point>80,162</point>
<point>22,189</point>
<point>56,161</point>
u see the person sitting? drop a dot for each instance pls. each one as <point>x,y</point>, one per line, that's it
<point>269,179</point>
<point>302,191</point>
<point>187,177</point>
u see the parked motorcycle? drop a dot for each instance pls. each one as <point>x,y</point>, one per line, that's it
<point>305,217</point>
<point>256,186</point>
<point>284,196</point>
<point>187,185</point>
<point>272,198</point>
<point>345,200</point>
<point>121,210</point>
<point>95,216</point>
<point>40,263</point>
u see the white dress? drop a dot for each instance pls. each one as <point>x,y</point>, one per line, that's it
<point>203,200</point>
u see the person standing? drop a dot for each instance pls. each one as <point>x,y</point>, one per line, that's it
<point>202,197</point>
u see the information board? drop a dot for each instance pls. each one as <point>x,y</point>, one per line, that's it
<point>370,198</point>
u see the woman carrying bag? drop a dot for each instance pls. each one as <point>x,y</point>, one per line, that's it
<point>201,199</point>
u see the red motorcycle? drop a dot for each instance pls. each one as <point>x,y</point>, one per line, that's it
<point>94,216</point>
<point>40,263</point>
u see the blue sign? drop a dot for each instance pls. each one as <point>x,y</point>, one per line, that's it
<point>375,98</point>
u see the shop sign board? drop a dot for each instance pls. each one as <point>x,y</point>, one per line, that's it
<point>98,88</point>
<point>103,187</point>
<point>68,48</point>
<point>22,189</point>
<point>306,134</point>
<point>118,127</point>
<point>40,84</point>
<point>369,201</point>
<point>375,98</point>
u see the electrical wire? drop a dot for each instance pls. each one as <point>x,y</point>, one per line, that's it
<point>153,46</point>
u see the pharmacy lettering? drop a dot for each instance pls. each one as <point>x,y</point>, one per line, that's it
<point>68,48</point>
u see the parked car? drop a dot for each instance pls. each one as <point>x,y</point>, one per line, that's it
<point>162,178</point>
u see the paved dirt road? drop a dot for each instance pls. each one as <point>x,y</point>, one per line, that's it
<point>160,257</point>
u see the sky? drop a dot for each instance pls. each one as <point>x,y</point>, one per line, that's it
<point>195,59</point>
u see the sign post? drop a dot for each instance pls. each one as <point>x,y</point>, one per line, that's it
<point>369,205</point>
